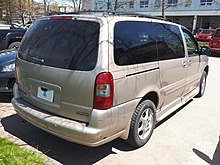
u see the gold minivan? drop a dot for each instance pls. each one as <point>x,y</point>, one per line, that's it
<point>90,78</point>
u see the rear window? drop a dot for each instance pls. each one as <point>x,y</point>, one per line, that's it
<point>67,44</point>
<point>207,32</point>
<point>217,34</point>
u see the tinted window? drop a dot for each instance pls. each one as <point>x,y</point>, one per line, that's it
<point>134,43</point>
<point>191,44</point>
<point>206,32</point>
<point>169,41</point>
<point>68,44</point>
<point>217,34</point>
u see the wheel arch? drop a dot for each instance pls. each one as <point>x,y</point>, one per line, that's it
<point>206,69</point>
<point>153,96</point>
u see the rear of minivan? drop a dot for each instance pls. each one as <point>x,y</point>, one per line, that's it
<point>214,43</point>
<point>63,84</point>
<point>92,78</point>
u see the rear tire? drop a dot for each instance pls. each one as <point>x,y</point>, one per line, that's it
<point>202,85</point>
<point>142,124</point>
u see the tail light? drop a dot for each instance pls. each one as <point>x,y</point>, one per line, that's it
<point>60,17</point>
<point>104,91</point>
<point>211,43</point>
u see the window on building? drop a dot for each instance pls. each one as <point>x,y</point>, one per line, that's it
<point>188,3</point>
<point>144,4</point>
<point>172,2</point>
<point>131,4</point>
<point>157,3</point>
<point>205,2</point>
<point>134,43</point>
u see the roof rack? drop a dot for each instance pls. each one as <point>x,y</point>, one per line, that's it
<point>114,13</point>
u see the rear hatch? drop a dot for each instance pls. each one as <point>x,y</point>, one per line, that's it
<point>55,66</point>
<point>215,41</point>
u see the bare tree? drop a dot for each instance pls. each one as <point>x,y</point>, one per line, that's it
<point>165,5</point>
<point>7,5</point>
<point>76,4</point>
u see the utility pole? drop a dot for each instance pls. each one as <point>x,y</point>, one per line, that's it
<point>163,9</point>
<point>108,5</point>
<point>45,7</point>
<point>116,4</point>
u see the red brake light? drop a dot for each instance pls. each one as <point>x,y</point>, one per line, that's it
<point>104,91</point>
<point>61,18</point>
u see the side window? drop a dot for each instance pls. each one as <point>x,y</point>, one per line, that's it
<point>217,34</point>
<point>191,44</point>
<point>134,43</point>
<point>169,41</point>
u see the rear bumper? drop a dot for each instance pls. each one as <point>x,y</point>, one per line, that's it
<point>65,128</point>
<point>203,39</point>
<point>215,50</point>
<point>99,131</point>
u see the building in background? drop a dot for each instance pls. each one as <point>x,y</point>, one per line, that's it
<point>193,14</point>
<point>66,8</point>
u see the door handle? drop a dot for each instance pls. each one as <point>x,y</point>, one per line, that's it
<point>189,62</point>
<point>184,64</point>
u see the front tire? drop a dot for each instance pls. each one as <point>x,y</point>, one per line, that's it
<point>142,123</point>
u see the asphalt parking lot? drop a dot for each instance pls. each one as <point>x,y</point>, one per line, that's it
<point>190,136</point>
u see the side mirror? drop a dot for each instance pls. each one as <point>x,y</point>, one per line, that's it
<point>204,50</point>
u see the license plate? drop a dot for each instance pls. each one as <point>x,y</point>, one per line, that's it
<point>45,94</point>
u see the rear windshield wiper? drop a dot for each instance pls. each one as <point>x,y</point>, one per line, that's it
<point>37,59</point>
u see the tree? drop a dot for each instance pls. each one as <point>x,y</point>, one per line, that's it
<point>46,4</point>
<point>76,4</point>
<point>7,5</point>
<point>54,6</point>
<point>17,8</point>
<point>164,4</point>
<point>23,8</point>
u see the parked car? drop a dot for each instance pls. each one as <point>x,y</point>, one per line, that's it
<point>214,43</point>
<point>7,71</point>
<point>93,77</point>
<point>204,35</point>
<point>10,38</point>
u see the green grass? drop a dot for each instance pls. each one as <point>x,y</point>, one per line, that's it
<point>12,154</point>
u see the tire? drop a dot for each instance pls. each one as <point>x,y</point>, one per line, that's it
<point>14,45</point>
<point>142,124</point>
<point>202,85</point>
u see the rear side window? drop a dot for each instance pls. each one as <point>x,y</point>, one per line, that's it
<point>169,41</point>
<point>217,34</point>
<point>206,32</point>
<point>67,44</point>
<point>134,43</point>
